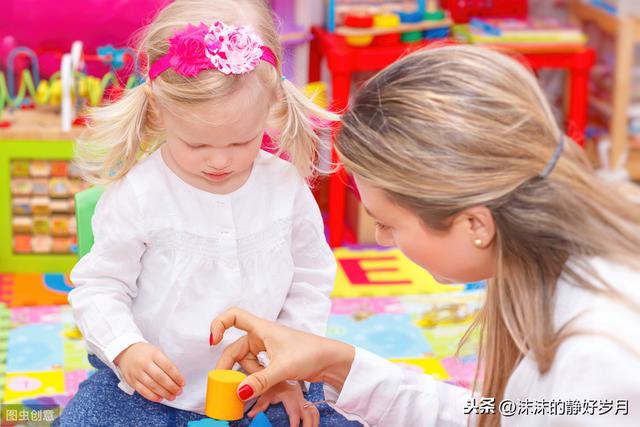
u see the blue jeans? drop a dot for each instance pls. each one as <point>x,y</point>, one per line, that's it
<point>99,402</point>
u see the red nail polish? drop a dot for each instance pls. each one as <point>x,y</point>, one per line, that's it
<point>245,392</point>
<point>210,339</point>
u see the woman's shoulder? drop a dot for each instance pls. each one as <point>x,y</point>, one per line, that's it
<point>611,312</point>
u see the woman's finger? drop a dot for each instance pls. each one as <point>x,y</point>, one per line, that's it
<point>234,352</point>
<point>261,381</point>
<point>250,364</point>
<point>233,317</point>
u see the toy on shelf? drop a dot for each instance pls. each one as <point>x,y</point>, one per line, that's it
<point>546,34</point>
<point>381,23</point>
<point>463,11</point>
<point>69,90</point>
<point>617,7</point>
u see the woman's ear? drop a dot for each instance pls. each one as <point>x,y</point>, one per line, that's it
<point>480,226</point>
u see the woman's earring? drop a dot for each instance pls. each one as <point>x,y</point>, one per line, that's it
<point>478,243</point>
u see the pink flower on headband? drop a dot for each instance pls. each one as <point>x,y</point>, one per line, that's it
<point>233,50</point>
<point>187,51</point>
<point>228,49</point>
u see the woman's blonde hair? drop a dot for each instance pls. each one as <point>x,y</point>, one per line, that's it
<point>449,128</point>
<point>122,132</point>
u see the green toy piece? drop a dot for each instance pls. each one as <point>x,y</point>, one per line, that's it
<point>85,206</point>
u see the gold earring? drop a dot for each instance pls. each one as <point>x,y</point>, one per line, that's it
<point>478,243</point>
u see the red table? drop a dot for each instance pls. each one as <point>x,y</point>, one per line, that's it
<point>343,61</point>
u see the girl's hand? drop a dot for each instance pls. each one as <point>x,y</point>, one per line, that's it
<point>150,372</point>
<point>291,397</point>
<point>293,355</point>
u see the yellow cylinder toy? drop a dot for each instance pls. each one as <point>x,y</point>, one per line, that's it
<point>222,401</point>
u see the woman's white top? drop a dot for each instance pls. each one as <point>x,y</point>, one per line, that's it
<point>169,257</point>
<point>593,377</point>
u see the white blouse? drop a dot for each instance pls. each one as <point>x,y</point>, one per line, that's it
<point>593,377</point>
<point>169,257</point>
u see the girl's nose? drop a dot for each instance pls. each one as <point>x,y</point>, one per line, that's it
<point>218,161</point>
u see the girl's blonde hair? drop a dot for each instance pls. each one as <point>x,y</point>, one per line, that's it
<point>449,128</point>
<point>122,132</point>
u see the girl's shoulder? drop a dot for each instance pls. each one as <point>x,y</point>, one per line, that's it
<point>276,171</point>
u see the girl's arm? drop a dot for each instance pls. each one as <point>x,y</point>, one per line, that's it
<point>105,279</point>
<point>307,305</point>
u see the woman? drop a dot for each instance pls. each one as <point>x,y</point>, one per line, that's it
<point>457,156</point>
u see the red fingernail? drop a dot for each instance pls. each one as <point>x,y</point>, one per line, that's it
<point>245,392</point>
<point>210,339</point>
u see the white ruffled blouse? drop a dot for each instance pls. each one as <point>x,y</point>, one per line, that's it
<point>169,257</point>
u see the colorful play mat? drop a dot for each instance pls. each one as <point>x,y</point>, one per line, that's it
<point>382,302</point>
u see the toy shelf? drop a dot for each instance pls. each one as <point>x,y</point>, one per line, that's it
<point>402,28</point>
<point>36,191</point>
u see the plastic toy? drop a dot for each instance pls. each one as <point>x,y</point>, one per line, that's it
<point>222,401</point>
<point>70,89</point>
<point>260,420</point>
<point>463,11</point>
<point>378,23</point>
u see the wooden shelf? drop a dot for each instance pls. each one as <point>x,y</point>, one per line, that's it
<point>626,31</point>
<point>37,124</point>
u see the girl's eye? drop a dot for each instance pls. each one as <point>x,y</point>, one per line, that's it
<point>380,226</point>
<point>241,144</point>
<point>194,147</point>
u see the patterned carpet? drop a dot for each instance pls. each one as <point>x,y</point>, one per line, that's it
<point>381,302</point>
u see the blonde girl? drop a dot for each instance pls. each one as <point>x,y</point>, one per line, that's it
<point>197,218</point>
<point>457,155</point>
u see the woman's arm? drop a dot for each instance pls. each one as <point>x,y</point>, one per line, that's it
<point>374,389</point>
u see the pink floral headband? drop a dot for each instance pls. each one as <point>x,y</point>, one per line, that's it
<point>228,49</point>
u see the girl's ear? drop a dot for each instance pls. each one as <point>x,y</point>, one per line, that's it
<point>480,225</point>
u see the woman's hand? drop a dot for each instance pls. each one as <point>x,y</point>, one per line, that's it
<point>294,403</point>
<point>293,355</point>
<point>150,372</point>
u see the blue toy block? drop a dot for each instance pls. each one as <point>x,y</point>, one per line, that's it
<point>208,422</point>
<point>260,420</point>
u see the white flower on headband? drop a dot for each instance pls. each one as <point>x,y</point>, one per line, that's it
<point>233,50</point>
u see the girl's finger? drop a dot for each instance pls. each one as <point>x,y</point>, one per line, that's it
<point>310,417</point>
<point>153,385</point>
<point>146,393</point>
<point>169,368</point>
<point>261,405</point>
<point>162,379</point>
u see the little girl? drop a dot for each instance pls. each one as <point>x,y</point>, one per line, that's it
<point>197,218</point>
